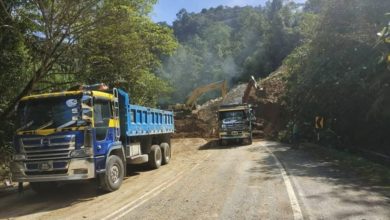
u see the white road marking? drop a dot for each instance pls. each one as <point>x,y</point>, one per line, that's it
<point>143,196</point>
<point>290,191</point>
<point>203,160</point>
<point>153,193</point>
<point>147,199</point>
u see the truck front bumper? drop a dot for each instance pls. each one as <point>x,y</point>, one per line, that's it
<point>75,169</point>
<point>234,135</point>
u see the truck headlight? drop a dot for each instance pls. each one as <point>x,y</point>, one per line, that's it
<point>18,157</point>
<point>83,152</point>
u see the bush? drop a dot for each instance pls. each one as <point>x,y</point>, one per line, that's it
<point>5,159</point>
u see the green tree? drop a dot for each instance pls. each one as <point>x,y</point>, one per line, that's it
<point>124,50</point>
<point>336,73</point>
<point>49,30</point>
<point>49,45</point>
<point>230,43</point>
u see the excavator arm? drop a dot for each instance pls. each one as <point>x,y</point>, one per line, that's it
<point>252,83</point>
<point>196,93</point>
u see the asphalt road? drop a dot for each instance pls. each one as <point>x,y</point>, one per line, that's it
<point>265,180</point>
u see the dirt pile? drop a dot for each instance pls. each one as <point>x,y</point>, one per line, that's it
<point>185,145</point>
<point>274,86</point>
<point>203,121</point>
<point>268,105</point>
<point>192,127</point>
<point>235,95</point>
<point>266,102</point>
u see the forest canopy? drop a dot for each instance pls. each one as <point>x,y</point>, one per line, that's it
<point>335,60</point>
<point>54,45</point>
<point>333,54</point>
<point>230,43</point>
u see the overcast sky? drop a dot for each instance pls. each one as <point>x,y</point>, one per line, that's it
<point>166,10</point>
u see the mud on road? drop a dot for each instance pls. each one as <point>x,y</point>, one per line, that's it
<point>205,181</point>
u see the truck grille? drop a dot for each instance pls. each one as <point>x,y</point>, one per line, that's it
<point>235,127</point>
<point>48,148</point>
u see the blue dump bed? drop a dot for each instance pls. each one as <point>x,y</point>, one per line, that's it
<point>137,120</point>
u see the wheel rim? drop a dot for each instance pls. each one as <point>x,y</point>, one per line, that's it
<point>114,173</point>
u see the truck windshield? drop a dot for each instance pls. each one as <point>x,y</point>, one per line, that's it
<point>237,115</point>
<point>47,113</point>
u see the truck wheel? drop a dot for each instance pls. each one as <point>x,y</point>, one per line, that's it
<point>112,179</point>
<point>155,157</point>
<point>44,187</point>
<point>250,141</point>
<point>166,153</point>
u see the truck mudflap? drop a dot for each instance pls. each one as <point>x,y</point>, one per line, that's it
<point>77,169</point>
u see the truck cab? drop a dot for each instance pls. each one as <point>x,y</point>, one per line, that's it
<point>235,123</point>
<point>84,134</point>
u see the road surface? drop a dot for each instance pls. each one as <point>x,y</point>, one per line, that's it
<point>265,180</point>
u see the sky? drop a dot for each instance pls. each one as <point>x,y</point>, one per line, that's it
<point>166,10</point>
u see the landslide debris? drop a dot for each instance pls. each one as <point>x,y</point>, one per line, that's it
<point>203,122</point>
<point>268,105</point>
<point>266,102</point>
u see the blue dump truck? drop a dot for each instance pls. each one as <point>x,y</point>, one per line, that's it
<point>90,132</point>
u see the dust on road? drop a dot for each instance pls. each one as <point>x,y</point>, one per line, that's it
<point>204,181</point>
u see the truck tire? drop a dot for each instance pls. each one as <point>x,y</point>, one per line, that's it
<point>44,187</point>
<point>250,141</point>
<point>166,153</point>
<point>112,179</point>
<point>155,157</point>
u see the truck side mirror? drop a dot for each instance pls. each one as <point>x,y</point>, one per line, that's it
<point>87,116</point>
<point>252,115</point>
<point>88,138</point>
<point>87,109</point>
<point>253,118</point>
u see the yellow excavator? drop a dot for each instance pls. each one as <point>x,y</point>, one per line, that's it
<point>196,93</point>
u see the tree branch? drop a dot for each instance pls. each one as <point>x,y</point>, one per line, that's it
<point>53,84</point>
<point>5,9</point>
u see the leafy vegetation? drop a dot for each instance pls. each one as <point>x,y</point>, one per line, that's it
<point>337,72</point>
<point>63,43</point>
<point>53,45</point>
<point>335,63</point>
<point>230,43</point>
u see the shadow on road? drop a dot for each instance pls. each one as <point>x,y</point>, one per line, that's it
<point>324,172</point>
<point>215,145</point>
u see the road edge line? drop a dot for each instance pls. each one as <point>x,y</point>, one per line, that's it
<point>297,212</point>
